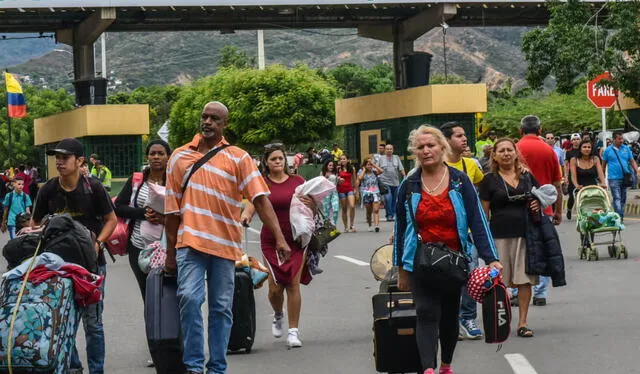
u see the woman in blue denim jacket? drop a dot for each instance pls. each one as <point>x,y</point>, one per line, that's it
<point>445,205</point>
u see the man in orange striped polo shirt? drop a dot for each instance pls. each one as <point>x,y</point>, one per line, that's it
<point>204,233</point>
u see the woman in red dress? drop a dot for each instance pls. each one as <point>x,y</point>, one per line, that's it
<point>346,193</point>
<point>289,274</point>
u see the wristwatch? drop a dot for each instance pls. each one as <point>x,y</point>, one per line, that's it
<point>100,244</point>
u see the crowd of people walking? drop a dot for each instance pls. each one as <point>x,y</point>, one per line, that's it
<point>480,208</point>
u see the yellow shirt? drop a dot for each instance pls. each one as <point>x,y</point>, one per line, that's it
<point>472,170</point>
<point>337,153</point>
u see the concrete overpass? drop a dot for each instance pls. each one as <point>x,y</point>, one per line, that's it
<point>79,23</point>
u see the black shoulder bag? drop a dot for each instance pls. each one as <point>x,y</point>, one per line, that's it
<point>435,263</point>
<point>203,160</point>
<point>627,178</point>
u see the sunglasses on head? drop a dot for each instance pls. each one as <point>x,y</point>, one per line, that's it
<point>273,146</point>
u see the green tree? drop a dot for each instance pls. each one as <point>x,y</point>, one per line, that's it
<point>292,105</point>
<point>451,79</point>
<point>40,103</point>
<point>559,113</point>
<point>580,42</point>
<point>354,80</point>
<point>159,98</point>
<point>233,57</point>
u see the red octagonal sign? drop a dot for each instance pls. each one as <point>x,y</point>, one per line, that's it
<point>601,96</point>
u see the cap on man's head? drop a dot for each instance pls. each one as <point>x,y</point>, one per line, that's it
<point>492,133</point>
<point>576,136</point>
<point>530,122</point>
<point>68,146</point>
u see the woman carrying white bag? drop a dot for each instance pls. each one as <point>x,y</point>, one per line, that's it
<point>140,205</point>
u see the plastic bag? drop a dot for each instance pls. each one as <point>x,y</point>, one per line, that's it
<point>302,218</point>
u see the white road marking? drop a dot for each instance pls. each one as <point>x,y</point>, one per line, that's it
<point>352,260</point>
<point>520,364</point>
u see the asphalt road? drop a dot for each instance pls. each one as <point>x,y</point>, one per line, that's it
<point>587,327</point>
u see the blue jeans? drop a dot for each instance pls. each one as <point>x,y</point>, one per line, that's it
<point>619,195</point>
<point>12,231</point>
<point>220,278</point>
<point>94,334</point>
<point>468,306</point>
<point>390,201</point>
<point>541,290</point>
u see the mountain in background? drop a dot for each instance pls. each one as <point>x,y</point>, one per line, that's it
<point>481,54</point>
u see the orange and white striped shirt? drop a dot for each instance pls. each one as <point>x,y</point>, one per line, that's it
<point>210,206</point>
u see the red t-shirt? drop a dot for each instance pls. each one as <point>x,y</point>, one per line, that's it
<point>346,185</point>
<point>437,220</point>
<point>541,160</point>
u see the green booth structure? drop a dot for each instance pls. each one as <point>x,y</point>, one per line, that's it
<point>390,117</point>
<point>114,132</point>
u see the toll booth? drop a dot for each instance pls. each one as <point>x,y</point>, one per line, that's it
<point>390,117</point>
<point>114,132</point>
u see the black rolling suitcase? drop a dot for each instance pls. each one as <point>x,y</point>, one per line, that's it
<point>162,318</point>
<point>243,330</point>
<point>394,328</point>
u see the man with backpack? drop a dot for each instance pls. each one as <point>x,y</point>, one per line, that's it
<point>15,203</point>
<point>207,179</point>
<point>86,200</point>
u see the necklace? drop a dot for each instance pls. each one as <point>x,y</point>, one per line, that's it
<point>430,191</point>
<point>512,180</point>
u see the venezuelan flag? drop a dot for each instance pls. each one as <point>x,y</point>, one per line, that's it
<point>17,107</point>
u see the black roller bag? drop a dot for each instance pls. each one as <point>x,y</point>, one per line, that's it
<point>394,329</point>
<point>243,331</point>
<point>162,319</point>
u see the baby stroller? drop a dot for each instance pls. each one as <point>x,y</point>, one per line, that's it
<point>596,217</point>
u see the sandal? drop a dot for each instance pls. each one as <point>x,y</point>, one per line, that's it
<point>525,332</point>
<point>352,229</point>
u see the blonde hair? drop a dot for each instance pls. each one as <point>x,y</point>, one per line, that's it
<point>517,163</point>
<point>428,130</point>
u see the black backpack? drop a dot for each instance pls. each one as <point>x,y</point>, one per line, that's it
<point>72,241</point>
<point>20,248</point>
<point>496,313</point>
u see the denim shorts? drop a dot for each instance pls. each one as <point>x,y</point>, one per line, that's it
<point>343,195</point>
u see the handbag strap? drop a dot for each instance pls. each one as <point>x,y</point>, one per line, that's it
<point>203,160</point>
<point>618,157</point>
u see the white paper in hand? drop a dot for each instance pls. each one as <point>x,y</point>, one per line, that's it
<point>155,198</point>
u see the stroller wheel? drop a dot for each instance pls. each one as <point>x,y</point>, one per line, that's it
<point>612,251</point>
<point>593,254</point>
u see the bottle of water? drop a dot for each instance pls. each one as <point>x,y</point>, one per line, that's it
<point>492,275</point>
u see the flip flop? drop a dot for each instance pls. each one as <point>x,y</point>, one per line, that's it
<point>525,332</point>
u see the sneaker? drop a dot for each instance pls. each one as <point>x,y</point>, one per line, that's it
<point>446,370</point>
<point>370,229</point>
<point>470,329</point>
<point>377,229</point>
<point>539,301</point>
<point>569,214</point>
<point>276,326</point>
<point>293,340</point>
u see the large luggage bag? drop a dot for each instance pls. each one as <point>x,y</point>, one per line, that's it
<point>44,330</point>
<point>162,319</point>
<point>243,330</point>
<point>394,329</point>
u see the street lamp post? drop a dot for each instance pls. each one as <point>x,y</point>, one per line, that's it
<point>444,49</point>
